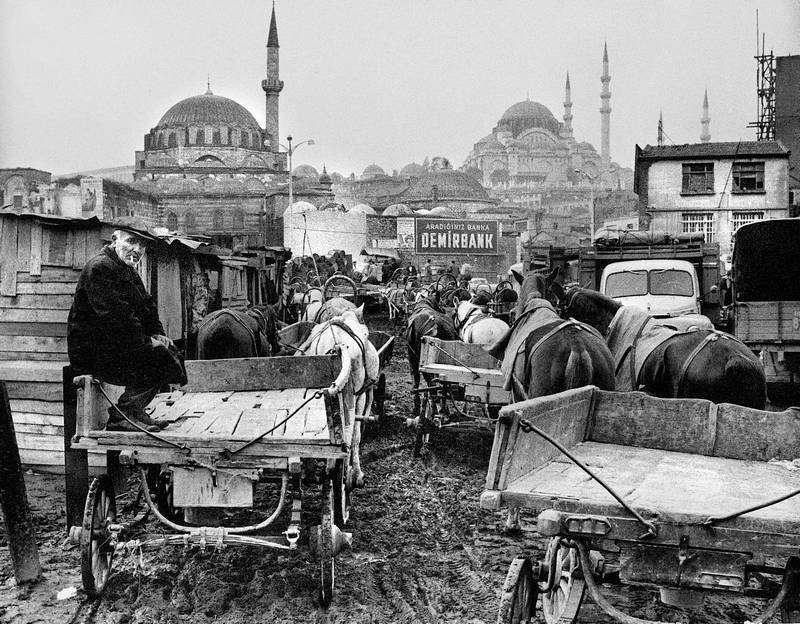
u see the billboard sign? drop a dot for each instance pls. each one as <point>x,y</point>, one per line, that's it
<point>457,236</point>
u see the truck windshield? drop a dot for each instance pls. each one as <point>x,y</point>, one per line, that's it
<point>626,284</point>
<point>671,282</point>
<point>661,282</point>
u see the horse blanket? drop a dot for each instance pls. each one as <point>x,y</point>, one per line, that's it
<point>632,336</point>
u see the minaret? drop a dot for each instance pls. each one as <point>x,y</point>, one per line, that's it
<point>567,110</point>
<point>660,137</point>
<point>605,115</point>
<point>272,86</point>
<point>705,121</point>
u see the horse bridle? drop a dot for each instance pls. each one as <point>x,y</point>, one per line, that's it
<point>361,346</point>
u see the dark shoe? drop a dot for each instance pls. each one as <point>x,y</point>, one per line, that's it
<point>124,425</point>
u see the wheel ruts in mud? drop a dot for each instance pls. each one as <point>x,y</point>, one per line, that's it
<point>563,595</point>
<point>518,600</point>
<point>97,551</point>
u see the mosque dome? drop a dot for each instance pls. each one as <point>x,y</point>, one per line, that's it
<point>362,209</point>
<point>299,207</point>
<point>412,170</point>
<point>450,184</point>
<point>305,171</point>
<point>398,210</point>
<point>208,109</point>
<point>442,211</point>
<point>526,115</point>
<point>372,171</point>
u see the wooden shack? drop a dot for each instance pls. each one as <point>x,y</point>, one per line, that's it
<point>41,257</point>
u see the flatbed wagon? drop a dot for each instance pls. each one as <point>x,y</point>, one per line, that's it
<point>461,376</point>
<point>685,495</point>
<point>278,422</point>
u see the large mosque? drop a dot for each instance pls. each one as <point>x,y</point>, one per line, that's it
<point>530,152</point>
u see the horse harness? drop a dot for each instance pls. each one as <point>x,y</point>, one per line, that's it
<point>475,315</point>
<point>361,346</point>
<point>231,313</point>
<point>713,336</point>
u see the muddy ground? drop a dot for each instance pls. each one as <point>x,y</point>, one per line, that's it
<point>423,552</point>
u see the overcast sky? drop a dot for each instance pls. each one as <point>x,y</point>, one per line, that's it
<point>375,81</point>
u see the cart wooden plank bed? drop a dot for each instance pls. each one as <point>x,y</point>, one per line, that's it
<point>687,476</point>
<point>236,423</point>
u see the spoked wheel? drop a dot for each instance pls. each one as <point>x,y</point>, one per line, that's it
<point>563,594</point>
<point>97,547</point>
<point>424,426</point>
<point>518,601</point>
<point>321,541</point>
<point>341,492</point>
<point>790,609</point>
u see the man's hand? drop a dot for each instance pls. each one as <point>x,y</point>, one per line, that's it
<point>162,341</point>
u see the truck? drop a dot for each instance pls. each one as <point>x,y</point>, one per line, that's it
<point>765,295</point>
<point>673,277</point>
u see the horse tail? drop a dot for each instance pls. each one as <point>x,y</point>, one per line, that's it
<point>747,384</point>
<point>579,370</point>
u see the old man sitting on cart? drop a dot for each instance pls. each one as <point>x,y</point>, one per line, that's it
<point>114,332</point>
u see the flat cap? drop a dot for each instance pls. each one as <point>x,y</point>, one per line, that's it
<point>136,225</point>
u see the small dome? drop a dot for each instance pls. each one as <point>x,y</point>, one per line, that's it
<point>209,109</point>
<point>362,209</point>
<point>527,114</point>
<point>333,207</point>
<point>299,207</point>
<point>442,211</point>
<point>305,171</point>
<point>372,171</point>
<point>423,211</point>
<point>412,170</point>
<point>398,210</point>
<point>337,178</point>
<point>450,184</point>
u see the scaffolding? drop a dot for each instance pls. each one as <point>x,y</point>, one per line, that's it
<point>765,88</point>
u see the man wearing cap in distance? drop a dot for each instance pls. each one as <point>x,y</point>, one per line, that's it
<point>114,332</point>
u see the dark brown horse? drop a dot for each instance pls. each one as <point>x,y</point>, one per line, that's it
<point>425,320</point>
<point>665,362</point>
<point>230,333</point>
<point>543,354</point>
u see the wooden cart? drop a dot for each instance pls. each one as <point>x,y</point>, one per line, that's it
<point>459,375</point>
<point>682,507</point>
<point>236,424</point>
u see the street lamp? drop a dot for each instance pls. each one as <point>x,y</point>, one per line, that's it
<point>592,179</point>
<point>289,151</point>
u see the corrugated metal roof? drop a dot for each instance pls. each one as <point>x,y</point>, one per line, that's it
<point>730,149</point>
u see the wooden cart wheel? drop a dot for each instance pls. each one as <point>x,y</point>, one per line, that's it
<point>518,600</point>
<point>97,551</point>
<point>341,491</point>
<point>790,609</point>
<point>561,603</point>
<point>423,438</point>
<point>327,562</point>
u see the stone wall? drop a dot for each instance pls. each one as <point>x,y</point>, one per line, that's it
<point>322,231</point>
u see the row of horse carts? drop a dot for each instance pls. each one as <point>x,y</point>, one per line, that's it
<point>642,454</point>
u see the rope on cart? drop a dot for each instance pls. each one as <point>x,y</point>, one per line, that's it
<point>715,519</point>
<point>527,427</point>
<point>317,395</point>
<point>183,447</point>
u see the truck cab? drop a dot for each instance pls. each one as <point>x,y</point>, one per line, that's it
<point>665,288</point>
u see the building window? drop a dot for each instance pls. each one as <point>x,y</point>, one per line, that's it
<point>238,220</point>
<point>188,221</point>
<point>216,138</point>
<point>172,221</point>
<point>743,218</point>
<point>218,220</point>
<point>172,141</point>
<point>702,222</point>
<point>244,139</point>
<point>748,177</point>
<point>201,137</point>
<point>698,178</point>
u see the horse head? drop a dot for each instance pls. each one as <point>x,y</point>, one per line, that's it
<point>537,285</point>
<point>590,307</point>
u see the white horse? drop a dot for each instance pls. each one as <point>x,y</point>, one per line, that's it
<point>352,337</point>
<point>475,325</point>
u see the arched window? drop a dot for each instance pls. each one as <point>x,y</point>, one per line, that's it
<point>160,140</point>
<point>244,139</point>
<point>216,137</point>
<point>218,220</point>
<point>172,221</point>
<point>238,219</point>
<point>189,222</point>
<point>256,140</point>
<point>201,137</point>
<point>173,140</point>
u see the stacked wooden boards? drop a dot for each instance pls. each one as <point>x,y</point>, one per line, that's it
<point>40,261</point>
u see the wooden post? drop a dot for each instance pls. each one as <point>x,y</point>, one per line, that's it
<point>76,461</point>
<point>16,511</point>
